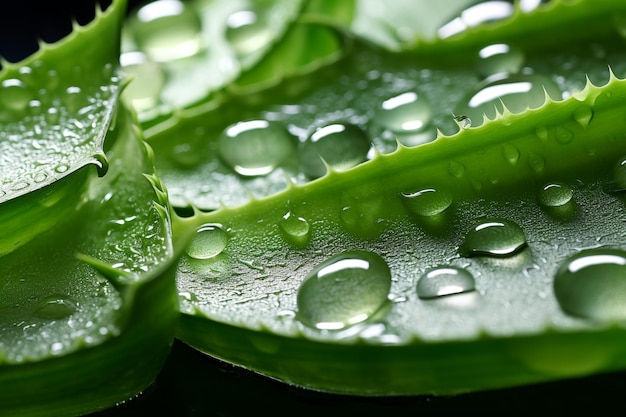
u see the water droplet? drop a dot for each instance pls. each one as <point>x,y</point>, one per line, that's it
<point>619,174</point>
<point>102,164</point>
<point>14,94</point>
<point>147,79</point>
<point>456,170</point>
<point>563,136</point>
<point>403,113</point>
<point>583,116</point>
<point>210,240</point>
<point>477,14</point>
<point>536,162</point>
<point>247,31</point>
<point>592,284</point>
<point>498,59</point>
<point>296,230</point>
<point>167,30</point>
<point>256,147</point>
<point>427,202</point>
<point>55,307</point>
<point>53,116</point>
<point>61,168</point>
<point>463,121</point>
<point>73,99</point>
<point>345,289</point>
<point>516,92</point>
<point>493,237</point>
<point>542,133</point>
<point>510,153</point>
<point>444,280</point>
<point>340,145</point>
<point>555,195</point>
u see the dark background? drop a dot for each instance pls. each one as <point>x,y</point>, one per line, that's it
<point>193,384</point>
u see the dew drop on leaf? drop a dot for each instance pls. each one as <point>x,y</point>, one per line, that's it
<point>247,31</point>
<point>340,145</point>
<point>147,79</point>
<point>444,280</point>
<point>256,147</point>
<point>296,230</point>
<point>167,30</point>
<point>55,308</point>
<point>426,202</point>
<point>493,237</point>
<point>462,121</point>
<point>517,92</point>
<point>592,284</point>
<point>555,195</point>
<point>510,153</point>
<point>583,116</point>
<point>209,241</point>
<point>483,12</point>
<point>619,174</point>
<point>344,290</point>
<point>14,94</point>
<point>499,58</point>
<point>404,113</point>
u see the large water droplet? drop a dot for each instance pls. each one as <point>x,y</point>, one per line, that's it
<point>583,116</point>
<point>296,230</point>
<point>592,284</point>
<point>499,58</point>
<point>517,92</point>
<point>14,94</point>
<point>340,145</point>
<point>255,147</point>
<point>73,99</point>
<point>247,31</point>
<point>510,153</point>
<point>167,30</point>
<point>555,195</point>
<point>346,289</point>
<point>427,202</point>
<point>462,121</point>
<point>444,280</point>
<point>493,237</point>
<point>403,113</point>
<point>210,240</point>
<point>147,79</point>
<point>487,11</point>
<point>55,307</point>
<point>619,174</point>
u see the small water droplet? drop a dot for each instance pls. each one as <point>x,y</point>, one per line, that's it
<point>563,136</point>
<point>61,168</point>
<point>477,14</point>
<point>456,170</point>
<point>517,92</point>
<point>493,237</point>
<point>510,153</point>
<point>20,185</point>
<point>592,284</point>
<point>444,280</point>
<point>167,30</point>
<point>296,230</point>
<point>462,121</point>
<point>55,307</point>
<point>619,174</point>
<point>427,202</point>
<point>73,99</point>
<point>498,59</point>
<point>404,113</point>
<point>344,290</point>
<point>210,240</point>
<point>542,133</point>
<point>256,147</point>
<point>53,116</point>
<point>14,94</point>
<point>536,162</point>
<point>247,31</point>
<point>555,195</point>
<point>147,82</point>
<point>340,145</point>
<point>583,116</point>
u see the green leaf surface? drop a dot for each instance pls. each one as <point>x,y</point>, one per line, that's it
<point>260,288</point>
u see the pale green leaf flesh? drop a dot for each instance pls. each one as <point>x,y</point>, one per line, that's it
<point>242,306</point>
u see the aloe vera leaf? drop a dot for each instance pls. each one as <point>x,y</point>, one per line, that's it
<point>191,50</point>
<point>53,121</point>
<point>241,305</point>
<point>82,300</point>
